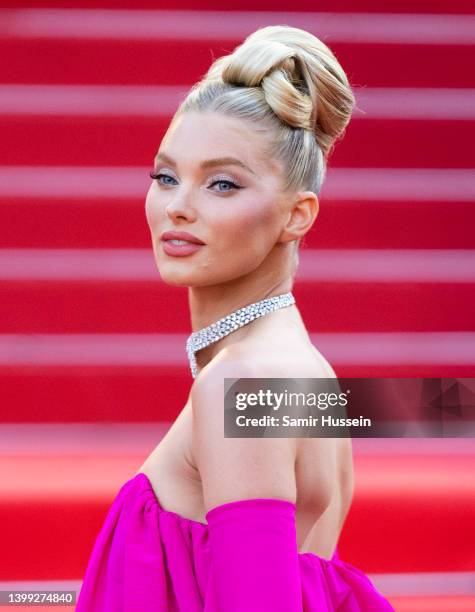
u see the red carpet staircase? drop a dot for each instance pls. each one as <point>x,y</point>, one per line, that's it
<point>92,361</point>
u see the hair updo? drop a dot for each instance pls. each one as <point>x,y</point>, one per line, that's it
<point>289,85</point>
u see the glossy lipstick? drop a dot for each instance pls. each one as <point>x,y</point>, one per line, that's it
<point>190,245</point>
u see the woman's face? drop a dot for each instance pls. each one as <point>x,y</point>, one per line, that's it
<point>237,212</point>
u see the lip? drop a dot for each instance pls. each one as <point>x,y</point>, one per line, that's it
<point>181,236</point>
<point>180,250</point>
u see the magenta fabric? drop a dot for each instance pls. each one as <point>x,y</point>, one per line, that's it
<point>148,559</point>
<point>254,556</point>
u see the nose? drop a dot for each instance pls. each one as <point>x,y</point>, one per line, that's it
<point>180,208</point>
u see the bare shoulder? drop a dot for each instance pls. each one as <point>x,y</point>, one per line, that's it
<point>236,468</point>
<point>268,361</point>
<point>207,390</point>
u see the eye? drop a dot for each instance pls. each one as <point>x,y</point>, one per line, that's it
<point>157,176</point>
<point>230,183</point>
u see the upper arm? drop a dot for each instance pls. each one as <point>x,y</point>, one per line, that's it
<point>233,469</point>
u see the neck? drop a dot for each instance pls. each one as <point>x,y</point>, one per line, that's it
<point>199,341</point>
<point>207,346</point>
<point>210,303</point>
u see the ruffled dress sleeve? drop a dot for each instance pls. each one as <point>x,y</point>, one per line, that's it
<point>245,559</point>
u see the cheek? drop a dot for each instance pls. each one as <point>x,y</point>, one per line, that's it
<point>151,209</point>
<point>252,230</point>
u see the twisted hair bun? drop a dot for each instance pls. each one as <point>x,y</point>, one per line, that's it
<point>289,86</point>
<point>301,79</point>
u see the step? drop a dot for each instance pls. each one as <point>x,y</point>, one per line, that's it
<point>46,139</point>
<point>369,46</point>
<point>125,101</point>
<point>126,377</point>
<point>435,603</point>
<point>401,603</point>
<point>407,592</point>
<point>336,6</point>
<point>120,290</point>
<point>359,208</point>
<point>138,306</point>
<point>48,489</point>
<point>342,223</point>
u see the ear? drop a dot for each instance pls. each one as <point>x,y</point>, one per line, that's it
<point>301,216</point>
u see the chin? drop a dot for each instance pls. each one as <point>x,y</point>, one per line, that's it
<point>189,274</point>
<point>176,280</point>
<point>172,275</point>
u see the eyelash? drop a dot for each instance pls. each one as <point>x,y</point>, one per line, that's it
<point>156,176</point>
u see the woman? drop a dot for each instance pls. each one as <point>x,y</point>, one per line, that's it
<point>239,524</point>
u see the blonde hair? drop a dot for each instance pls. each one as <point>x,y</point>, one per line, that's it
<point>290,87</point>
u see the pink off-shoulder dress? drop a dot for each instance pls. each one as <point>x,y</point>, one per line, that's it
<point>244,559</point>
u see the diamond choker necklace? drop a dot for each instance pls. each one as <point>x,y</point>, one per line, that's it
<point>214,332</point>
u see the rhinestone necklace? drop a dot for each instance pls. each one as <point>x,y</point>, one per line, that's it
<point>214,332</point>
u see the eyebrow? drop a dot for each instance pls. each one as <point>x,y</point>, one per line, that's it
<point>209,163</point>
